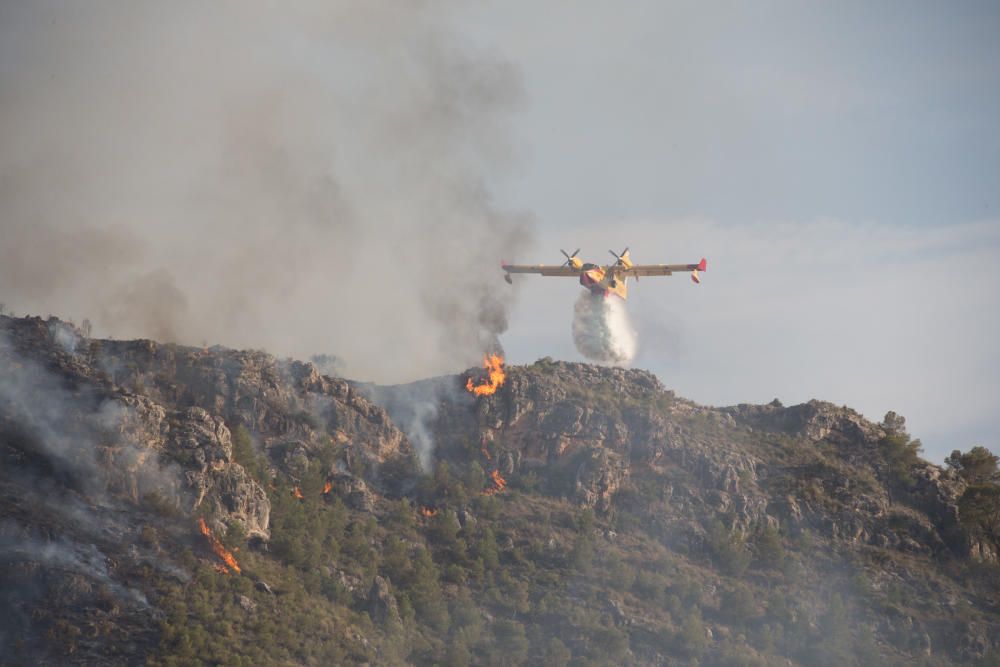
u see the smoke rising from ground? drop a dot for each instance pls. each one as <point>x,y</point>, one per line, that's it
<point>414,408</point>
<point>78,435</point>
<point>602,330</point>
<point>310,179</point>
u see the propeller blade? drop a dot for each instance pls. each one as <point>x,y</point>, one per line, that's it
<point>615,255</point>
<point>569,258</point>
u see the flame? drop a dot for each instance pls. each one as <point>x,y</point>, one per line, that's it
<point>428,511</point>
<point>327,487</point>
<point>297,493</point>
<point>499,484</point>
<point>218,548</point>
<point>493,363</point>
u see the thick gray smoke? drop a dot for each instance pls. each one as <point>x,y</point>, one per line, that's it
<point>602,330</point>
<point>309,178</point>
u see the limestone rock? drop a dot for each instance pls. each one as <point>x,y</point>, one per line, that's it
<point>599,477</point>
<point>381,604</point>
<point>353,490</point>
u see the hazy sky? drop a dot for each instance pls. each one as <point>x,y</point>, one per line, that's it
<point>838,164</point>
<point>343,177</point>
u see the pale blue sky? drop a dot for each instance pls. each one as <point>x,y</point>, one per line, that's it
<point>882,112</point>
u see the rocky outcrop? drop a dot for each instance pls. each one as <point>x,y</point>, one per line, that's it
<point>201,448</point>
<point>815,420</point>
<point>125,443</point>
<point>382,604</point>
<point>599,477</point>
<point>278,401</point>
<point>353,490</point>
<point>236,497</point>
<point>603,430</point>
<point>199,441</point>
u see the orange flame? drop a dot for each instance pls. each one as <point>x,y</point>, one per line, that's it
<point>428,511</point>
<point>218,547</point>
<point>297,493</point>
<point>499,484</point>
<point>493,363</point>
<point>327,487</point>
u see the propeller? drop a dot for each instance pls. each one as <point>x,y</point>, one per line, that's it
<point>617,256</point>
<point>569,258</point>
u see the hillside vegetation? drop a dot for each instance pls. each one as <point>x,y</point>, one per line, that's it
<point>578,516</point>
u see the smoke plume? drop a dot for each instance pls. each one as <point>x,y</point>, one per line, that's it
<point>310,179</point>
<point>414,408</point>
<point>602,330</point>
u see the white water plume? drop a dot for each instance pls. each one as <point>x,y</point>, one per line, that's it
<point>602,330</point>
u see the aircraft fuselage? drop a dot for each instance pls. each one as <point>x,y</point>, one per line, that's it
<point>604,281</point>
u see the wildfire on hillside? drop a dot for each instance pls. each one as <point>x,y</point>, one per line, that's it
<point>327,487</point>
<point>493,363</point>
<point>499,484</point>
<point>297,493</point>
<point>219,549</point>
<point>428,511</point>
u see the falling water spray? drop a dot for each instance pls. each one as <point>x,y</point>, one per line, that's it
<point>602,330</point>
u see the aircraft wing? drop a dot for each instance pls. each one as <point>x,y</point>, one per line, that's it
<point>662,269</point>
<point>543,269</point>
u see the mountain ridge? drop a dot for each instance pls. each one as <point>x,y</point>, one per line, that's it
<point>668,529</point>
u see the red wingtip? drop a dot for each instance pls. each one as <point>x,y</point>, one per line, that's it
<point>503,264</point>
<point>703,264</point>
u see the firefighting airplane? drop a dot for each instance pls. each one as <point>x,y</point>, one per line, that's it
<point>604,280</point>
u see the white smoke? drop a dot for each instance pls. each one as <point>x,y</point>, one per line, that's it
<point>602,330</point>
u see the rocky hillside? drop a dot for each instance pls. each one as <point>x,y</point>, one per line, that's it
<point>162,504</point>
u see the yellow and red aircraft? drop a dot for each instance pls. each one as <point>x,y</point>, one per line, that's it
<point>604,280</point>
